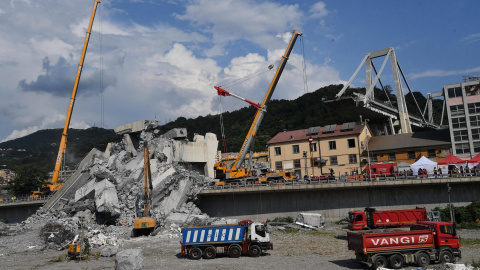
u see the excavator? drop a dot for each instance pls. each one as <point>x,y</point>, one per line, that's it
<point>54,185</point>
<point>237,174</point>
<point>144,224</point>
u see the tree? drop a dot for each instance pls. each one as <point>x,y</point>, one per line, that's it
<point>28,177</point>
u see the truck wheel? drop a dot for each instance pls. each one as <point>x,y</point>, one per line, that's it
<point>446,256</point>
<point>380,261</point>
<point>254,251</point>
<point>209,253</point>
<point>396,261</point>
<point>234,251</point>
<point>423,259</point>
<point>195,253</point>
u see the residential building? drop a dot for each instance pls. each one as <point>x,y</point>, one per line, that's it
<point>463,110</point>
<point>316,150</point>
<point>408,148</point>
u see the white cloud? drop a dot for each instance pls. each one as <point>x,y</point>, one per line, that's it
<point>318,10</point>
<point>441,73</point>
<point>472,38</point>
<point>232,20</point>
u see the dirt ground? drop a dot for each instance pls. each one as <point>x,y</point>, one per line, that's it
<point>326,249</point>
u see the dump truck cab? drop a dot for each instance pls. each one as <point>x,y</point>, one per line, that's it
<point>357,220</point>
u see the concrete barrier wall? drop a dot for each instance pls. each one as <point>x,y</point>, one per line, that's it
<point>335,202</point>
<point>18,213</point>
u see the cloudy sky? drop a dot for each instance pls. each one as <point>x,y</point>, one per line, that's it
<point>161,59</point>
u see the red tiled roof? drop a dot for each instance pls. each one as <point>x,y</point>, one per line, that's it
<point>301,134</point>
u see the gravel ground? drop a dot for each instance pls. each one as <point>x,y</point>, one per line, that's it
<point>325,249</point>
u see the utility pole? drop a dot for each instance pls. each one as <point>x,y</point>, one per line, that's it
<point>310,140</point>
<point>452,213</point>
<point>368,152</point>
<point>305,158</point>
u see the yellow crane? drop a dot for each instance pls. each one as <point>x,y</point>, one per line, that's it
<point>236,173</point>
<point>63,143</point>
<point>145,224</point>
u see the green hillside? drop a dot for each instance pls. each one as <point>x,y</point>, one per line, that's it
<point>41,147</point>
<point>304,112</point>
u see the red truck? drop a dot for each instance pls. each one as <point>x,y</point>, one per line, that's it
<point>381,169</point>
<point>372,218</point>
<point>427,241</point>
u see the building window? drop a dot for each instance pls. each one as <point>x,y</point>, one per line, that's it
<point>476,147</point>
<point>474,120</point>
<point>462,148</point>
<point>474,108</point>
<point>431,153</point>
<point>295,149</point>
<point>459,122</point>
<point>351,143</point>
<point>315,162</point>
<point>278,151</point>
<point>296,164</point>
<point>475,134</point>
<point>392,156</point>
<point>455,92</point>
<point>411,154</point>
<point>313,147</point>
<point>333,160</point>
<point>352,159</point>
<point>332,145</point>
<point>460,135</point>
<point>278,165</point>
<point>456,110</point>
<point>373,157</point>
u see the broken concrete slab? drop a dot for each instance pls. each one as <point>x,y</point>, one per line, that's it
<point>86,191</point>
<point>109,251</point>
<point>130,259</point>
<point>160,178</point>
<point>129,147</point>
<point>106,199</point>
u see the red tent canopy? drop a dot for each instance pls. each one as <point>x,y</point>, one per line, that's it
<point>451,159</point>
<point>475,159</point>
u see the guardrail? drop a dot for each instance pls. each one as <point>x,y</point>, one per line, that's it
<point>342,179</point>
<point>25,198</point>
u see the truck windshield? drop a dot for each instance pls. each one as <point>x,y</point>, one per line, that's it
<point>260,230</point>
<point>351,217</point>
<point>447,229</point>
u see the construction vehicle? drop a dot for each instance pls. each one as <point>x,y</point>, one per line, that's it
<point>245,237</point>
<point>79,248</point>
<point>54,185</point>
<point>236,174</point>
<point>372,218</point>
<point>381,169</point>
<point>144,224</point>
<point>422,243</point>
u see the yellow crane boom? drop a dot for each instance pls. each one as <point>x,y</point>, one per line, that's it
<point>63,142</point>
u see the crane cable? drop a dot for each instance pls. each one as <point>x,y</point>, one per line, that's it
<point>222,129</point>
<point>304,67</point>
<point>102,97</point>
<point>250,76</point>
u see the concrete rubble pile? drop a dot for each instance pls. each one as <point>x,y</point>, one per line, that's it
<point>106,203</point>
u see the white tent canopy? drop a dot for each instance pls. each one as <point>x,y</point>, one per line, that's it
<point>423,163</point>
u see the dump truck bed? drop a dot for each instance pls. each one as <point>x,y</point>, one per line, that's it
<point>213,235</point>
<point>372,242</point>
<point>394,218</point>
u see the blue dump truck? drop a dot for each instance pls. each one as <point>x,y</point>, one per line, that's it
<point>246,237</point>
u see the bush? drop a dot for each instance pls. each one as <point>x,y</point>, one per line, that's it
<point>465,216</point>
